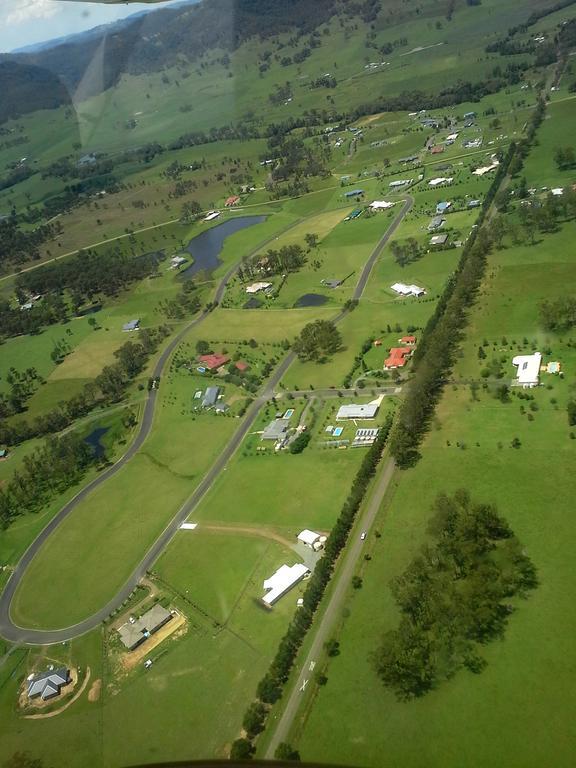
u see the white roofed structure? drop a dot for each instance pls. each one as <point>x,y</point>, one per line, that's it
<point>367,411</point>
<point>256,287</point>
<point>528,369</point>
<point>440,180</point>
<point>310,538</point>
<point>378,204</point>
<point>407,290</point>
<point>286,577</point>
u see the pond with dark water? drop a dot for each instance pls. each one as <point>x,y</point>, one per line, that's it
<point>311,300</point>
<point>206,247</point>
<point>93,440</point>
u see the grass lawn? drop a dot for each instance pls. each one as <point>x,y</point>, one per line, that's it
<point>124,516</point>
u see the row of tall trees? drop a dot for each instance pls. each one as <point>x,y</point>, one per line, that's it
<point>68,285</point>
<point>270,686</point>
<point>454,597</point>
<point>49,470</point>
<point>108,387</point>
<point>437,349</point>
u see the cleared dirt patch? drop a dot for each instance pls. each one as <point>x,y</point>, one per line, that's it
<point>132,658</point>
<point>95,690</point>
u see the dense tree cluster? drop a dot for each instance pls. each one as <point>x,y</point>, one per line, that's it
<point>18,245</point>
<point>65,286</point>
<point>558,315</point>
<point>108,387</point>
<point>288,258</point>
<point>22,385</point>
<point>406,252</point>
<point>317,341</point>
<point>48,470</point>
<point>454,597</point>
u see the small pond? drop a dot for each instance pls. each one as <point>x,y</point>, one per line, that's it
<point>311,300</point>
<point>93,440</point>
<point>206,247</point>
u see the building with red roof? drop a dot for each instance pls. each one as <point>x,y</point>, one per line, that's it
<point>232,200</point>
<point>213,362</point>
<point>241,366</point>
<point>410,340</point>
<point>437,150</point>
<point>398,358</point>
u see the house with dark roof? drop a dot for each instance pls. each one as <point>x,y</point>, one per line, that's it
<point>436,223</point>
<point>132,325</point>
<point>210,397</point>
<point>48,684</point>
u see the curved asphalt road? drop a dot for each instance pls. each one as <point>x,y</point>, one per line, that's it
<point>15,634</point>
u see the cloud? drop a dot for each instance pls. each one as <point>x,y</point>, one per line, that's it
<point>20,11</point>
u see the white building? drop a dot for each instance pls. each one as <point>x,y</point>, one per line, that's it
<point>310,538</point>
<point>528,372</point>
<point>486,168</point>
<point>282,581</point>
<point>379,204</point>
<point>211,215</point>
<point>367,411</point>
<point>440,180</point>
<point>257,287</point>
<point>407,290</point>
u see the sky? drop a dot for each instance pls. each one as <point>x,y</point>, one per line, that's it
<point>24,22</point>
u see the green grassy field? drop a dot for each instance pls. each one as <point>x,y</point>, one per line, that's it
<point>495,718</point>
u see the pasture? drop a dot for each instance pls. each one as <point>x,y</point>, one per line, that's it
<point>470,445</point>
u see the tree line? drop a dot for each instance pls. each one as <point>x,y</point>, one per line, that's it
<point>269,689</point>
<point>436,352</point>
<point>66,286</point>
<point>49,470</point>
<point>18,246</point>
<point>108,387</point>
<point>454,597</point>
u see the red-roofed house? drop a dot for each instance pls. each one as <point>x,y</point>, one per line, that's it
<point>241,366</point>
<point>213,362</point>
<point>233,200</point>
<point>410,340</point>
<point>437,150</point>
<point>398,358</point>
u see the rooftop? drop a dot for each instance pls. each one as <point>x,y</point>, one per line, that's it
<point>528,371</point>
<point>276,430</point>
<point>282,581</point>
<point>367,411</point>
<point>132,325</point>
<point>48,684</point>
<point>213,362</point>
<point>134,633</point>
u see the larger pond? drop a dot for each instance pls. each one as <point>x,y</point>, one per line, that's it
<point>206,247</point>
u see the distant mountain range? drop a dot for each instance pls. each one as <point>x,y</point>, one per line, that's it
<point>101,29</point>
<point>148,41</point>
